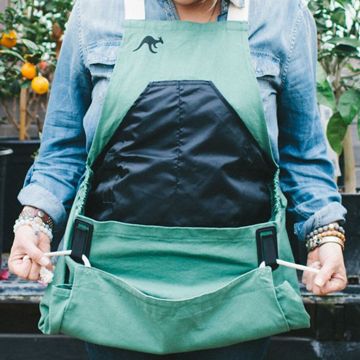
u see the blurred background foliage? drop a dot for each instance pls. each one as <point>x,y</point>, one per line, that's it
<point>338,24</point>
<point>37,27</point>
<point>31,33</point>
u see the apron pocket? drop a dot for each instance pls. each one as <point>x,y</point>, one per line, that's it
<point>52,308</point>
<point>293,307</point>
<point>106,310</point>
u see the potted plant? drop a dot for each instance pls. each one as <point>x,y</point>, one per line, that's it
<point>30,39</point>
<point>338,24</point>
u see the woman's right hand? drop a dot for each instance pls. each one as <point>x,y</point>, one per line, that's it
<point>27,253</point>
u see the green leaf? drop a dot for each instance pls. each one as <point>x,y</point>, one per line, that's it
<point>358,126</point>
<point>336,131</point>
<point>12,53</point>
<point>343,2</point>
<point>352,68</point>
<point>338,16</point>
<point>25,84</point>
<point>343,51</point>
<point>349,105</point>
<point>30,44</point>
<point>338,41</point>
<point>325,94</point>
<point>15,87</point>
<point>321,75</point>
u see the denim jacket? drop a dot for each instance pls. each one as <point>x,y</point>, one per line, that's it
<point>282,38</point>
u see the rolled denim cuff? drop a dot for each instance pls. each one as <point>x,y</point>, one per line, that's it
<point>39,197</point>
<point>330,213</point>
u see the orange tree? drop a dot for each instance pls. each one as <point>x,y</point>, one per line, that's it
<point>30,40</point>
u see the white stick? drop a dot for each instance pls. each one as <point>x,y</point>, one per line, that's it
<point>68,253</point>
<point>297,266</point>
<point>280,262</point>
<point>58,253</point>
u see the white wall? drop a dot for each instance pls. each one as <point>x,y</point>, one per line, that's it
<point>2,4</point>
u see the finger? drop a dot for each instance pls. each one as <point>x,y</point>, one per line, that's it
<point>44,246</point>
<point>324,275</point>
<point>305,277</point>
<point>36,254</point>
<point>20,267</point>
<point>34,273</point>
<point>316,290</point>
<point>335,284</point>
<point>308,277</point>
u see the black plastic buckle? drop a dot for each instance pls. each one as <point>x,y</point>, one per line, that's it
<point>81,240</point>
<point>266,239</point>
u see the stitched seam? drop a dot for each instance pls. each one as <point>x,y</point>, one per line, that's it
<point>80,32</point>
<point>113,43</point>
<point>294,35</point>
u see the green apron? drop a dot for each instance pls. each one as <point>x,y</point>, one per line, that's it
<point>174,288</point>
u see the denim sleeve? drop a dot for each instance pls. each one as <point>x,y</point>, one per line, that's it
<point>52,180</point>
<point>306,173</point>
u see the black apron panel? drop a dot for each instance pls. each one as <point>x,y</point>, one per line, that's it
<point>182,157</point>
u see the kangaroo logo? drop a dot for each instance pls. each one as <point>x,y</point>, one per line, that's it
<point>151,42</point>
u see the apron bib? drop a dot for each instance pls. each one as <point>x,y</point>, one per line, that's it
<point>180,202</point>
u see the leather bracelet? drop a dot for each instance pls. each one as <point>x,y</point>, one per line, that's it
<point>332,239</point>
<point>35,213</point>
<point>311,245</point>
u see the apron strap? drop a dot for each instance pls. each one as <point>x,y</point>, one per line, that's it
<point>134,9</point>
<point>238,13</point>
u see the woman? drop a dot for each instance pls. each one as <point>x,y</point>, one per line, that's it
<point>185,152</point>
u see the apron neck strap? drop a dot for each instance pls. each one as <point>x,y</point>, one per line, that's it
<point>134,9</point>
<point>238,13</point>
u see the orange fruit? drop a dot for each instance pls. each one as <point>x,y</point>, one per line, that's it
<point>40,85</point>
<point>28,70</point>
<point>9,39</point>
<point>43,65</point>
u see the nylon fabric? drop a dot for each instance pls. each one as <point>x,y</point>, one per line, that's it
<point>182,157</point>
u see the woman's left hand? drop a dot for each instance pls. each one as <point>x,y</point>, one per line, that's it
<point>332,276</point>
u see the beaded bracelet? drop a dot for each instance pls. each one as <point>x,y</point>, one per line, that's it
<point>35,224</point>
<point>330,227</point>
<point>315,238</point>
<point>328,233</point>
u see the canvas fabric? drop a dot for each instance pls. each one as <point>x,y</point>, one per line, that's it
<point>166,289</point>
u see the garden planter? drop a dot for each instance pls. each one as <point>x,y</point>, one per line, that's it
<point>17,166</point>
<point>4,154</point>
<point>352,227</point>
